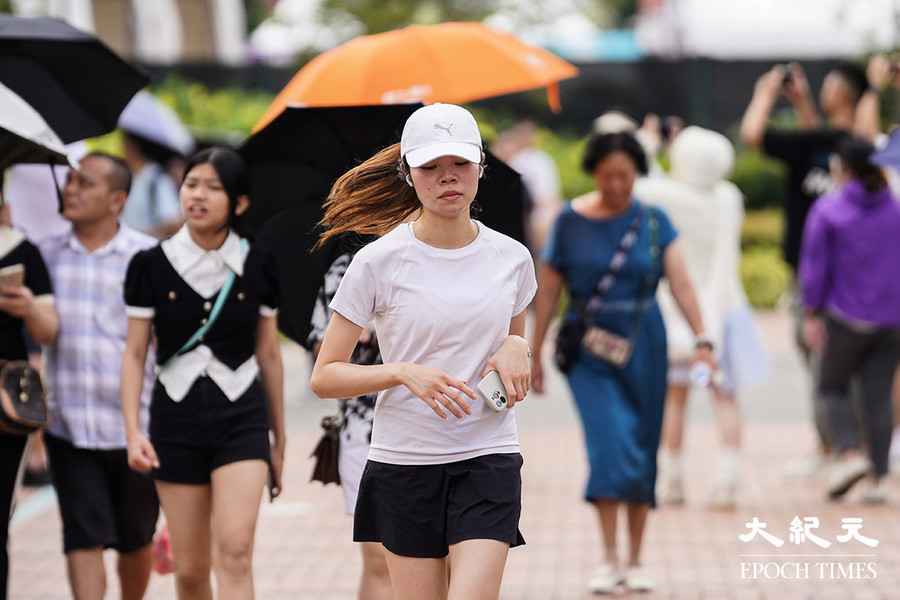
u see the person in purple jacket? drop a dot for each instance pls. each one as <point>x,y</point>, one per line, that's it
<point>850,279</point>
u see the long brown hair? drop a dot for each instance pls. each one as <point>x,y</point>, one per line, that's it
<point>369,199</point>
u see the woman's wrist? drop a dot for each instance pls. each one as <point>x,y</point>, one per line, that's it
<point>397,374</point>
<point>703,342</point>
<point>518,339</point>
<point>132,432</point>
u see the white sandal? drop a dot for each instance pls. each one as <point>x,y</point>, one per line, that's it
<point>605,580</point>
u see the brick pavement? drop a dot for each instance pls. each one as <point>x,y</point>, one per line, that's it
<point>304,548</point>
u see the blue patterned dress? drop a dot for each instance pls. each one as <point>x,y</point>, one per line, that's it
<point>621,409</point>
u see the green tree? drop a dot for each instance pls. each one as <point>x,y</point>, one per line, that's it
<point>384,15</point>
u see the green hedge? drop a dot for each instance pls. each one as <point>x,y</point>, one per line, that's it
<point>765,276</point>
<point>761,180</point>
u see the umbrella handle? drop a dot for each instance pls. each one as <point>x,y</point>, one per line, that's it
<point>59,195</point>
<point>553,97</point>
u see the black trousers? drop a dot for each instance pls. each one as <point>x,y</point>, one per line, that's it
<point>11,449</point>
<point>869,359</point>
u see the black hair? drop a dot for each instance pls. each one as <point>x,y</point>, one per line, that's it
<point>855,76</point>
<point>601,145</point>
<point>119,176</point>
<point>232,172</point>
<point>856,155</point>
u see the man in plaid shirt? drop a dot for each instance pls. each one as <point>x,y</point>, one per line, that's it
<point>103,504</point>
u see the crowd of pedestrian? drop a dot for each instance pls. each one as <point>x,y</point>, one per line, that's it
<point>164,374</point>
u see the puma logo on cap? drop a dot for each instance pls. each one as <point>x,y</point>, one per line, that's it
<point>448,128</point>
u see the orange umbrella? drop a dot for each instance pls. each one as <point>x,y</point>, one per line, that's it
<point>450,62</point>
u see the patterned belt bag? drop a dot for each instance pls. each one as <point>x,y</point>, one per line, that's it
<point>23,402</point>
<point>608,346</point>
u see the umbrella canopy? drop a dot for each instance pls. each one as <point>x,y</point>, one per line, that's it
<point>450,62</point>
<point>24,136</point>
<point>293,163</point>
<point>150,119</point>
<point>70,77</point>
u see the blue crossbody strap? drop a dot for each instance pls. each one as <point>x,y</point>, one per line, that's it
<point>216,309</point>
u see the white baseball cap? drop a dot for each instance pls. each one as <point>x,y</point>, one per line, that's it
<point>440,130</point>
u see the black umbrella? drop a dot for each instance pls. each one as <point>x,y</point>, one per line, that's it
<point>70,77</point>
<point>24,135</point>
<point>294,161</point>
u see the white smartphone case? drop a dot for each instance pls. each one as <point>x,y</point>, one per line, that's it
<point>493,391</point>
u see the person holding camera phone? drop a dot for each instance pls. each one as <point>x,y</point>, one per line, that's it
<point>219,390</point>
<point>26,304</point>
<point>805,151</point>
<point>447,295</point>
<point>610,251</point>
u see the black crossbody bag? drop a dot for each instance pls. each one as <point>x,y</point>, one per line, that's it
<point>574,334</point>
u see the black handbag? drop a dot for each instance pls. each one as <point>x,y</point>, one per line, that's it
<point>574,334</point>
<point>327,451</point>
<point>23,401</point>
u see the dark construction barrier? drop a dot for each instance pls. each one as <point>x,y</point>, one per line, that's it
<point>711,93</point>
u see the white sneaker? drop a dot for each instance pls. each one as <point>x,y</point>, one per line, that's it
<point>724,496</point>
<point>875,492</point>
<point>670,490</point>
<point>845,473</point>
<point>605,580</point>
<point>802,468</point>
<point>637,580</point>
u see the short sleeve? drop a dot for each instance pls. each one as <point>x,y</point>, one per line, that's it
<point>553,253</point>
<point>355,297</point>
<point>667,232</point>
<point>779,144</point>
<point>37,278</point>
<point>138,287</point>
<point>799,145</point>
<point>261,269</point>
<point>527,284</point>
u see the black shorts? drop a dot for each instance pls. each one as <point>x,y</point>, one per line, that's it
<point>206,430</point>
<point>422,510</point>
<point>102,502</point>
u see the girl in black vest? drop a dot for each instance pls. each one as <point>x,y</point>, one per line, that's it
<point>219,389</point>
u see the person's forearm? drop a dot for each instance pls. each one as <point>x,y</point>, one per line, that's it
<point>550,285</point>
<point>807,115</point>
<point>130,391</point>
<point>43,323</point>
<point>544,306</point>
<point>867,121</point>
<point>346,380</point>
<point>753,125</point>
<point>271,370</point>
<point>686,298</point>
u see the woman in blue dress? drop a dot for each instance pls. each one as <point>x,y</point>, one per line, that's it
<point>621,407</point>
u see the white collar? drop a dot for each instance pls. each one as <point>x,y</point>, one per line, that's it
<point>9,239</point>
<point>183,252</point>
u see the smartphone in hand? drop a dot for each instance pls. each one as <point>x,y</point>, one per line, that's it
<point>494,392</point>
<point>12,276</point>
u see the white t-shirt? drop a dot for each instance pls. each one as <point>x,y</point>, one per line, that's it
<point>447,309</point>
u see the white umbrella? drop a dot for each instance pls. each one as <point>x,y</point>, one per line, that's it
<point>148,118</point>
<point>24,135</point>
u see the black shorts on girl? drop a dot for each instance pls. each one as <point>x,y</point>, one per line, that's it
<point>421,510</point>
<point>206,430</point>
